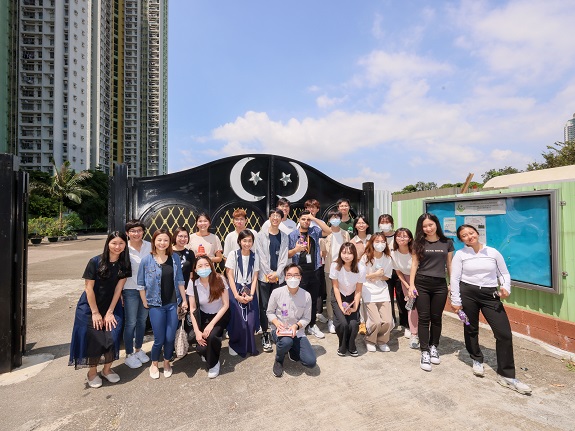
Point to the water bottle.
(409, 304)
(463, 317)
(284, 313)
(411, 301)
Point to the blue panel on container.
(522, 235)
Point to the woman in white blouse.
(348, 276)
(214, 312)
(476, 272)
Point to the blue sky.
(387, 91)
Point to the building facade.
(569, 130)
(92, 84)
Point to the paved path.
(376, 391)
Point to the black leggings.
(430, 302)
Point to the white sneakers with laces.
(132, 361)
(478, 369)
(314, 330)
(330, 327)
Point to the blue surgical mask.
(204, 272)
(335, 222)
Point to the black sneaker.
(341, 352)
(266, 342)
(291, 358)
(278, 369)
(353, 353)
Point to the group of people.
(275, 282)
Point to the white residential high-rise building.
(53, 82)
(93, 84)
(569, 130)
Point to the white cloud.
(523, 39)
(380, 179)
(325, 101)
(381, 67)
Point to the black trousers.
(265, 291)
(346, 326)
(432, 296)
(475, 299)
(212, 350)
(394, 283)
(310, 283)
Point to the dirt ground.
(375, 391)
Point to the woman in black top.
(432, 254)
(181, 238)
(99, 314)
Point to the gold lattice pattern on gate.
(226, 223)
(170, 218)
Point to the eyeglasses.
(136, 231)
(293, 277)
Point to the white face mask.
(292, 282)
(379, 246)
(385, 227)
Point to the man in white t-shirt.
(231, 241)
(329, 247)
(135, 314)
(287, 225)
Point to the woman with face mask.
(375, 295)
(386, 225)
(214, 305)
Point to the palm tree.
(67, 184)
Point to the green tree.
(559, 154)
(67, 184)
(492, 173)
(418, 187)
(94, 208)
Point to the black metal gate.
(13, 262)
(253, 182)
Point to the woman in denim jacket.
(161, 286)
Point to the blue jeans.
(135, 316)
(164, 322)
(300, 349)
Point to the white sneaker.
(132, 361)
(407, 333)
(434, 355)
(514, 384)
(478, 369)
(168, 373)
(214, 371)
(384, 347)
(414, 342)
(141, 355)
(96, 382)
(425, 362)
(232, 352)
(370, 347)
(314, 330)
(320, 318)
(330, 327)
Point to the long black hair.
(125, 268)
(419, 242)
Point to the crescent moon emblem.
(236, 181)
(301, 186)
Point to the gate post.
(367, 200)
(13, 261)
(118, 199)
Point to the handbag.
(181, 343)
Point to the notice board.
(522, 226)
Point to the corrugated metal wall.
(381, 205)
(561, 306)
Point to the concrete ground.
(375, 391)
